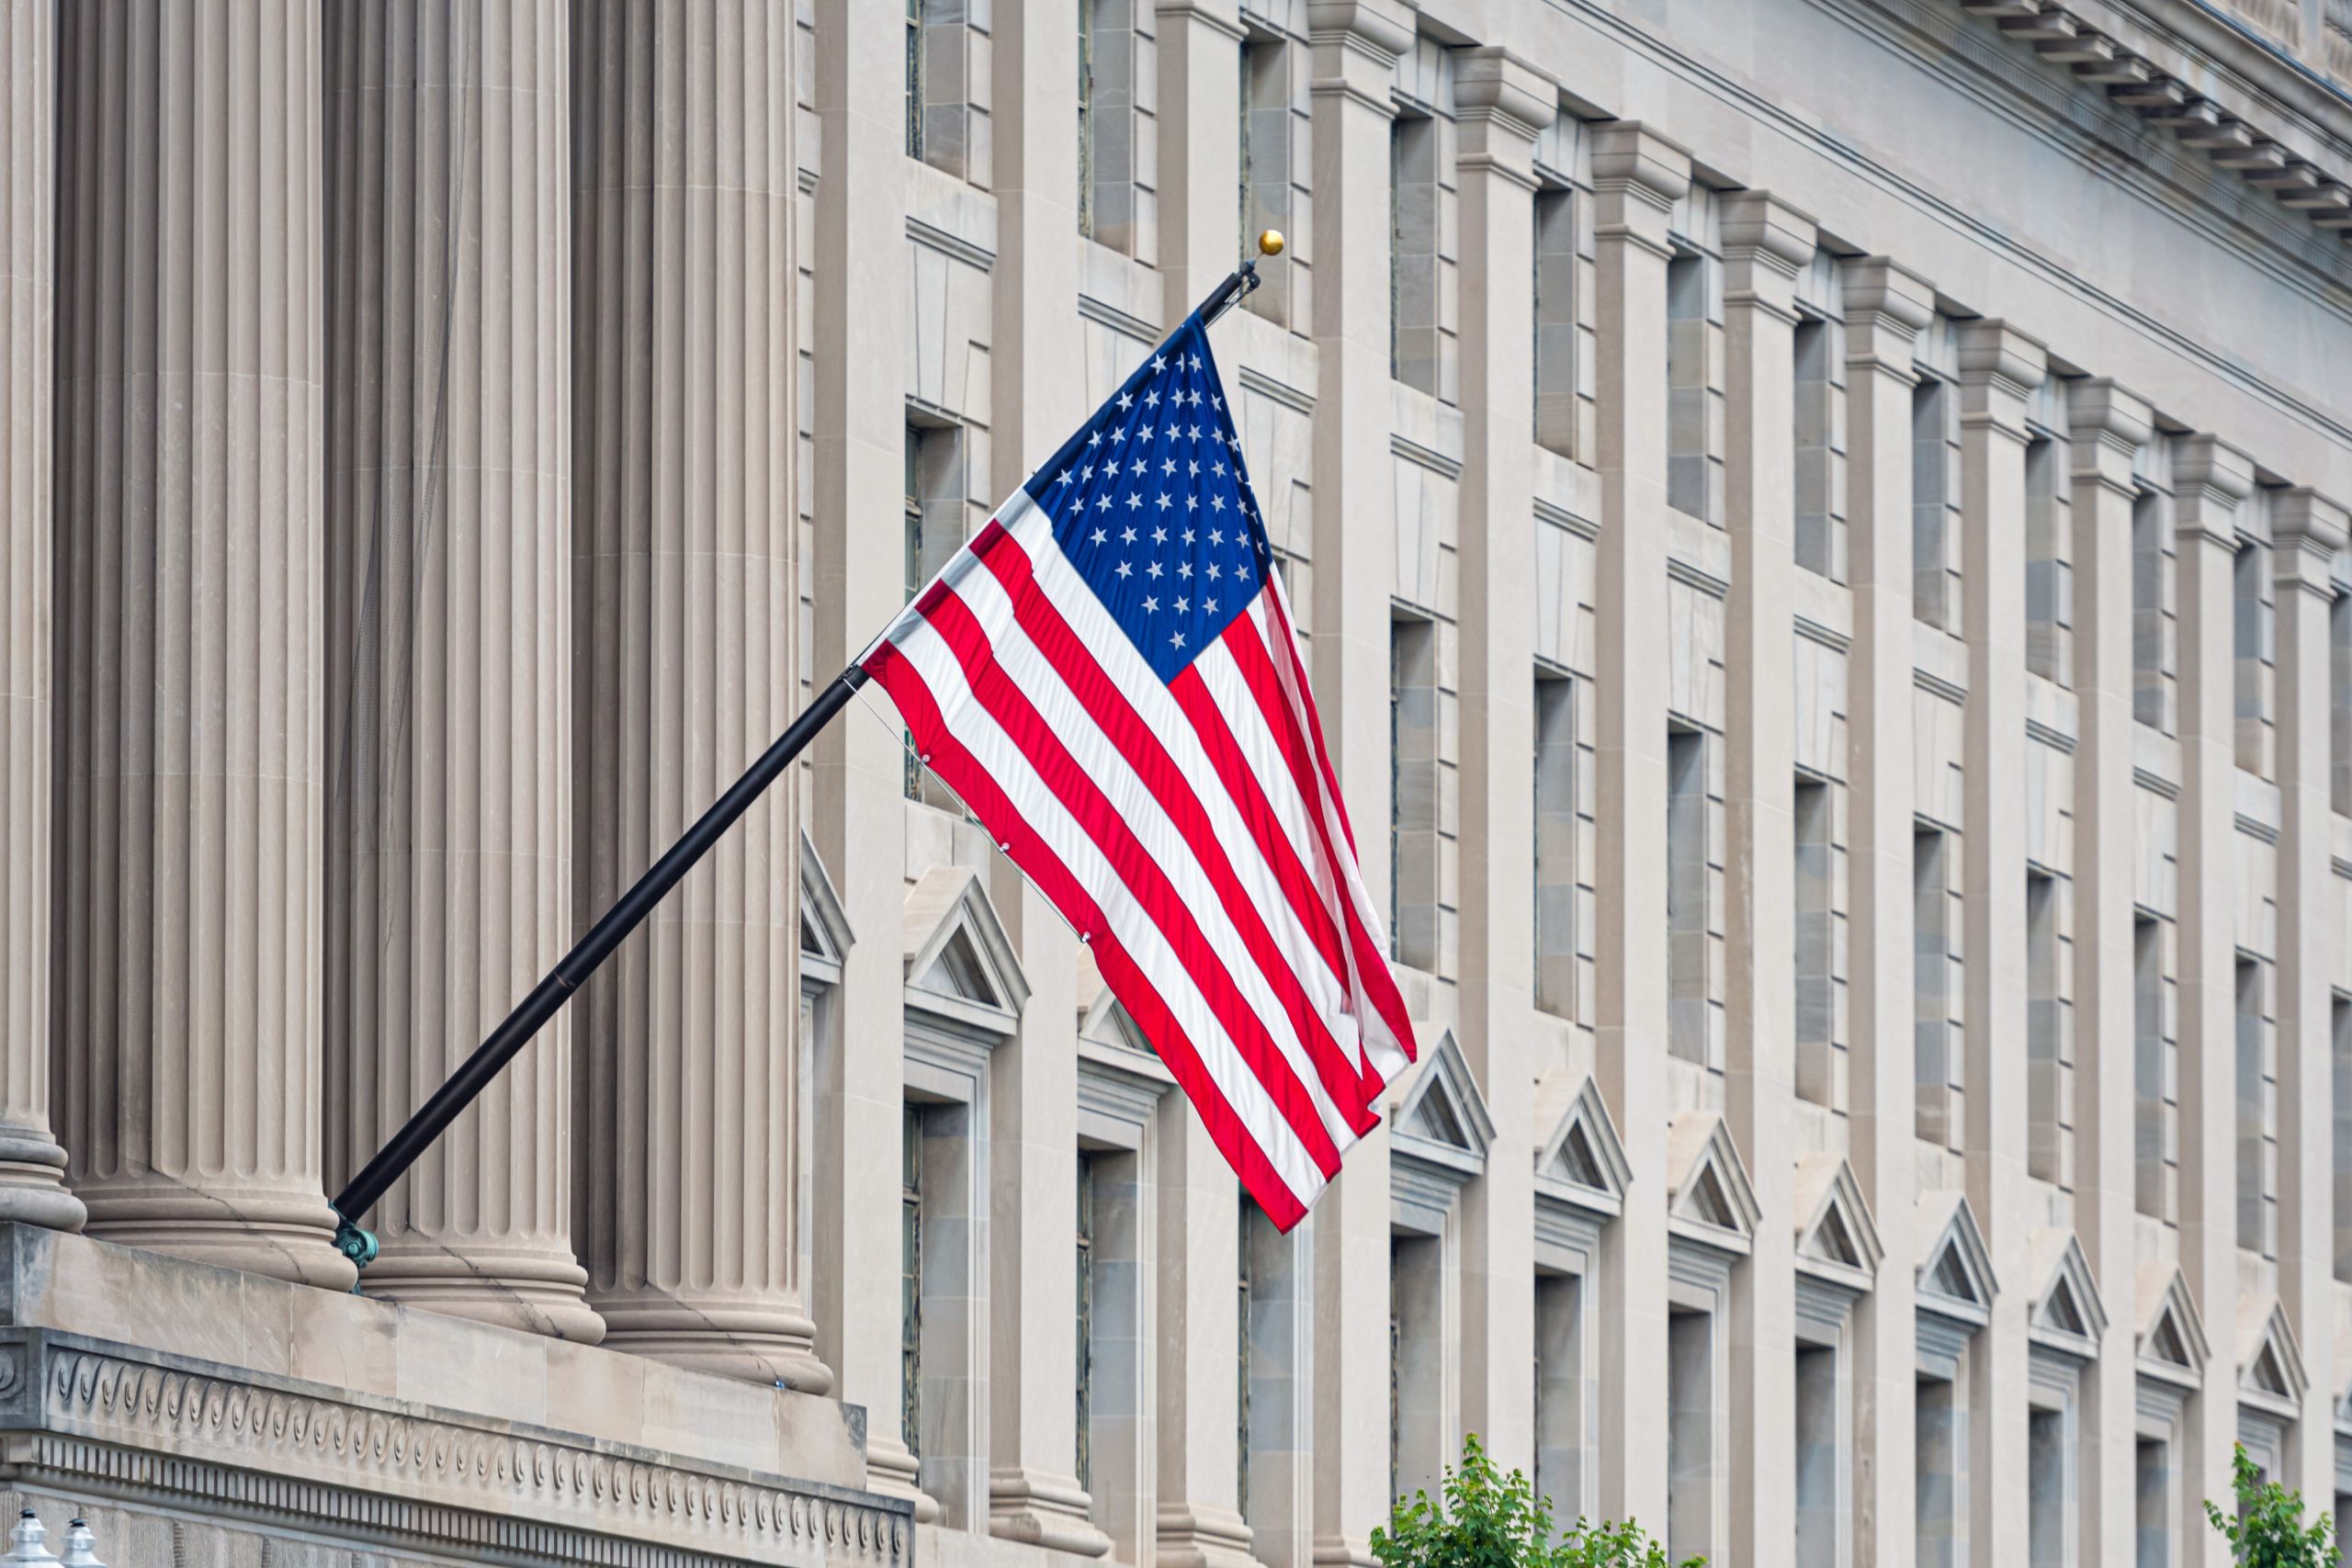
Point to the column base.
(891, 1471)
(1051, 1511)
(536, 1291)
(32, 1181)
(1344, 1552)
(1203, 1535)
(287, 1235)
(762, 1339)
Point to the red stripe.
(953, 621)
(1140, 746)
(1027, 849)
(1256, 665)
(1306, 704)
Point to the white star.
(1217, 502)
(1100, 536)
(1216, 537)
(1152, 569)
(1164, 501)
(1220, 469)
(1135, 499)
(1169, 467)
(1087, 473)
(1216, 401)
(1184, 568)
(1065, 478)
(1188, 536)
(1194, 434)
(1102, 502)
(1182, 604)
(1208, 606)
(1159, 536)
(1151, 399)
(1118, 434)
(1128, 534)
(1125, 571)
(1213, 570)
(1151, 605)
(1094, 439)
(1140, 467)
(1177, 638)
(1191, 501)
(1144, 435)
(1191, 463)
(1242, 571)
(1127, 401)
(1159, 362)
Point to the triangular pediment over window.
(1441, 1115)
(2171, 1335)
(1709, 1198)
(1579, 1157)
(1836, 1237)
(2271, 1364)
(960, 965)
(825, 936)
(2068, 1316)
(1956, 1280)
(1101, 1018)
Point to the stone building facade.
(1819, 524)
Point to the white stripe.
(1110, 772)
(994, 751)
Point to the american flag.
(1108, 677)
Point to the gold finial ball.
(1270, 243)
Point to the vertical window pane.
(2257, 1130)
(1816, 957)
(910, 1281)
(2048, 1070)
(1085, 1321)
(1689, 1023)
(2151, 627)
(914, 77)
(1556, 834)
(1939, 1119)
(2152, 1091)
(1690, 474)
(1930, 498)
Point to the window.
(2250, 617)
(2339, 1015)
(911, 1280)
(1689, 1436)
(1413, 252)
(1688, 1020)
(2153, 1154)
(914, 77)
(2257, 1126)
(1417, 1450)
(2151, 1471)
(1560, 1395)
(1413, 792)
(2048, 1056)
(1086, 1323)
(1557, 412)
(2049, 575)
(2152, 630)
(1816, 410)
(1690, 471)
(1086, 118)
(1266, 133)
(1241, 1340)
(1820, 1458)
(2339, 701)
(1815, 934)
(1936, 1054)
(1555, 835)
(1941, 1425)
(2050, 1471)
(1932, 473)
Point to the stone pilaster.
(1886, 304)
(448, 880)
(1766, 241)
(1200, 147)
(857, 777)
(1502, 103)
(32, 1166)
(2106, 424)
(1998, 367)
(1356, 44)
(1199, 1524)
(2307, 529)
(1638, 175)
(683, 376)
(2210, 479)
(191, 524)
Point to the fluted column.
(1637, 176)
(683, 600)
(1356, 44)
(449, 625)
(2106, 424)
(191, 525)
(2210, 480)
(1998, 366)
(2307, 529)
(1765, 240)
(1503, 103)
(32, 1166)
(1885, 305)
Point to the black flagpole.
(546, 998)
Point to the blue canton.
(1151, 503)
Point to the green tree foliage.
(2269, 1530)
(1486, 1519)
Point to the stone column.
(190, 485)
(1998, 367)
(2306, 531)
(1199, 1524)
(1037, 375)
(448, 878)
(1886, 304)
(857, 774)
(682, 373)
(32, 1166)
(1356, 44)
(1766, 242)
(1638, 175)
(1502, 103)
(2210, 478)
(2106, 424)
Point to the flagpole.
(546, 998)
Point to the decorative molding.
(1581, 1161)
(2066, 1317)
(1438, 1135)
(1118, 320)
(90, 1416)
(1954, 1281)
(1691, 576)
(952, 247)
(1561, 517)
(1836, 1239)
(1709, 1200)
(1253, 380)
(2169, 1335)
(1829, 637)
(1434, 461)
(825, 934)
(2271, 1364)
(960, 965)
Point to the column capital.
(1638, 176)
(1357, 43)
(1886, 304)
(2307, 529)
(1999, 368)
(1502, 104)
(2209, 478)
(1223, 15)
(2106, 423)
(1767, 241)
